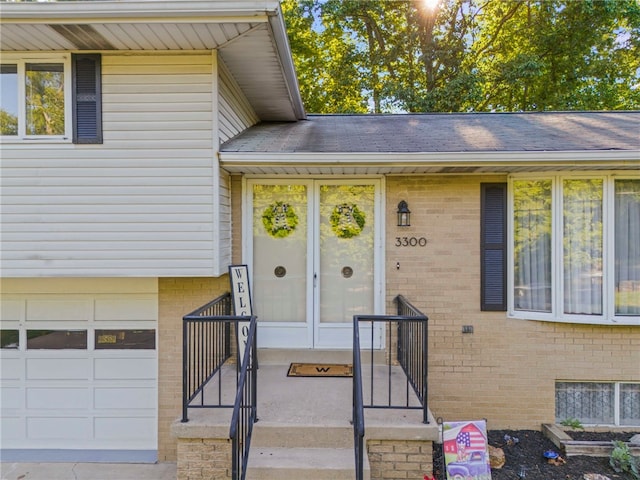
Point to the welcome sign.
(241, 294)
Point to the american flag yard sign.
(465, 450)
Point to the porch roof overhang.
(249, 35)
(438, 143)
(390, 163)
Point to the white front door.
(313, 255)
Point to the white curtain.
(627, 247)
(582, 240)
(532, 245)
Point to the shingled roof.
(464, 132)
(438, 143)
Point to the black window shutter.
(493, 246)
(87, 98)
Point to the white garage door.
(79, 370)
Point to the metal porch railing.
(245, 407)
(206, 348)
(409, 329)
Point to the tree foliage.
(465, 55)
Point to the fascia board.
(194, 10)
(279, 31)
(579, 158)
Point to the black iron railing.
(408, 330)
(206, 346)
(245, 407)
(411, 335)
(358, 403)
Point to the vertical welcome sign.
(239, 278)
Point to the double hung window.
(575, 250)
(50, 97)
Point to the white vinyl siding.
(224, 223)
(235, 112)
(79, 399)
(141, 204)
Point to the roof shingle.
(457, 132)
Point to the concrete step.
(277, 435)
(268, 463)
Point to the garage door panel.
(12, 310)
(126, 309)
(58, 310)
(125, 428)
(12, 397)
(110, 398)
(12, 428)
(11, 368)
(59, 428)
(58, 368)
(58, 398)
(124, 368)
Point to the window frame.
(608, 316)
(21, 60)
(616, 402)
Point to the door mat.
(320, 370)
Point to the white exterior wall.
(144, 202)
(235, 112)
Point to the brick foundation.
(400, 459)
(204, 459)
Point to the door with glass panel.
(313, 257)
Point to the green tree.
(465, 55)
(45, 100)
(8, 123)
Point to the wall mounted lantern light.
(404, 214)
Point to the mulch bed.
(528, 453)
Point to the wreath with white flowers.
(279, 219)
(347, 220)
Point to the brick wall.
(177, 297)
(400, 459)
(204, 459)
(506, 370)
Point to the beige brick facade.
(204, 459)
(177, 297)
(508, 366)
(399, 459)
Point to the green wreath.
(347, 220)
(279, 219)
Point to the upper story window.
(35, 98)
(51, 97)
(575, 250)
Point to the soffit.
(249, 36)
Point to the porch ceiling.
(250, 37)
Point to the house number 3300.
(411, 242)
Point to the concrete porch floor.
(304, 423)
(319, 401)
(302, 403)
(327, 401)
